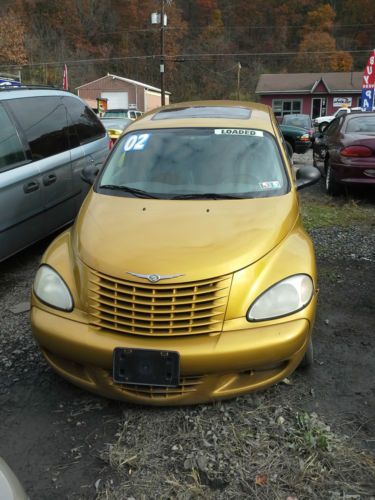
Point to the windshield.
(297, 121)
(116, 123)
(197, 162)
(116, 113)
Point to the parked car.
(347, 149)
(297, 139)
(115, 127)
(133, 114)
(188, 276)
(47, 137)
(301, 121)
(323, 121)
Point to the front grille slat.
(134, 308)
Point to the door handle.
(49, 179)
(30, 187)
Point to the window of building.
(283, 107)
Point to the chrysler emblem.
(154, 278)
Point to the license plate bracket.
(146, 367)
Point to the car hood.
(196, 238)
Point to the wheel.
(289, 148)
(332, 186)
(308, 358)
(315, 159)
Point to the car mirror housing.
(322, 127)
(306, 176)
(89, 173)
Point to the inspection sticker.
(238, 131)
(136, 142)
(270, 185)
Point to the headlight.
(51, 289)
(283, 298)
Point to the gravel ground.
(65, 443)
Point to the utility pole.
(238, 79)
(162, 67)
(161, 18)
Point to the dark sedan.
(301, 121)
(296, 138)
(346, 148)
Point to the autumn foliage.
(205, 40)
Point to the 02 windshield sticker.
(270, 185)
(136, 142)
(238, 131)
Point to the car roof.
(20, 92)
(219, 114)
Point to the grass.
(323, 213)
(258, 446)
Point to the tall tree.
(12, 39)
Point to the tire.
(332, 186)
(289, 148)
(315, 157)
(308, 358)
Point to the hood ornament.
(154, 278)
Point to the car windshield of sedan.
(196, 163)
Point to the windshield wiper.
(208, 196)
(139, 193)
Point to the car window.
(11, 149)
(44, 122)
(363, 123)
(83, 121)
(341, 112)
(172, 162)
(332, 127)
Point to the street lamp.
(161, 19)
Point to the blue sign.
(4, 82)
(367, 99)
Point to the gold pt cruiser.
(187, 276)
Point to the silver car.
(46, 138)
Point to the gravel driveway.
(54, 435)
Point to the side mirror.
(322, 127)
(89, 173)
(306, 176)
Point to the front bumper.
(302, 147)
(213, 367)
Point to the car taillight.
(356, 151)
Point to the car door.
(332, 138)
(21, 204)
(44, 121)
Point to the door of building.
(318, 107)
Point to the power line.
(235, 28)
(186, 57)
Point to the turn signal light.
(356, 151)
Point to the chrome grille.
(157, 309)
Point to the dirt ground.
(55, 436)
